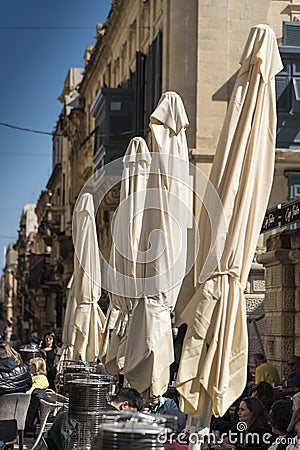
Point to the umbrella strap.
(158, 300)
(230, 274)
(121, 324)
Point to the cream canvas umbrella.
(88, 318)
(213, 366)
(122, 276)
(149, 349)
(67, 334)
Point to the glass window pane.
(297, 68)
(283, 93)
(296, 83)
(286, 67)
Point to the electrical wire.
(47, 28)
(54, 27)
(48, 133)
(30, 130)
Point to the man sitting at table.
(265, 371)
(126, 399)
(293, 379)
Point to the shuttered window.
(154, 74)
(288, 91)
(291, 34)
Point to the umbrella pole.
(197, 429)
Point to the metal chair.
(15, 406)
(46, 408)
(8, 433)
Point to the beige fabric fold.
(88, 317)
(213, 366)
(68, 328)
(122, 276)
(149, 349)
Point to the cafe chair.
(47, 408)
(15, 406)
(8, 433)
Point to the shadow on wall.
(224, 93)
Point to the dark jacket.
(293, 379)
(14, 378)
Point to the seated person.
(37, 367)
(127, 399)
(167, 406)
(295, 426)
(296, 402)
(265, 371)
(159, 405)
(14, 375)
(293, 379)
(280, 417)
(253, 415)
(264, 392)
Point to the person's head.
(280, 416)
(127, 399)
(8, 352)
(264, 392)
(154, 400)
(295, 423)
(294, 363)
(252, 412)
(259, 358)
(37, 366)
(296, 402)
(34, 337)
(49, 340)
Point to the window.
(113, 110)
(294, 194)
(288, 84)
(294, 184)
(154, 73)
(288, 98)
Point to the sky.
(39, 42)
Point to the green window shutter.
(291, 34)
(283, 93)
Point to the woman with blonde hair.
(37, 368)
(10, 352)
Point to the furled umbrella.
(149, 349)
(213, 366)
(67, 333)
(122, 273)
(88, 317)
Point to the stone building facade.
(10, 291)
(281, 304)
(144, 48)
